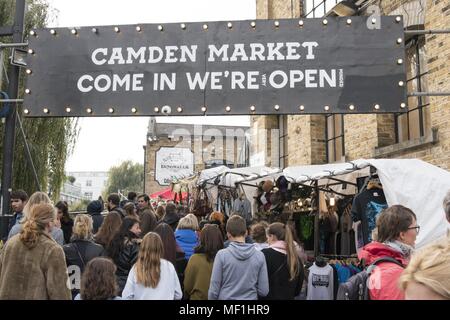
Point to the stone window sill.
(422, 142)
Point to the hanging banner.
(173, 163)
(289, 66)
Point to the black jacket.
(125, 260)
(79, 253)
(280, 287)
(66, 228)
(97, 220)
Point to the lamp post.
(10, 124)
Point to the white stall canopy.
(412, 183)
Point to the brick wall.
(202, 150)
(368, 136)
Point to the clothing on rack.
(328, 226)
(344, 207)
(366, 207)
(244, 208)
(335, 281)
(346, 268)
(305, 230)
(320, 283)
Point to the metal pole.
(316, 221)
(29, 157)
(10, 125)
(13, 45)
(11, 100)
(428, 94)
(419, 32)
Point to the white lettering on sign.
(213, 51)
(103, 51)
(104, 82)
(211, 79)
(134, 55)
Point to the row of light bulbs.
(229, 25)
(204, 109)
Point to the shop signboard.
(286, 66)
(173, 163)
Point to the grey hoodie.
(239, 273)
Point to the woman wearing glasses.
(397, 230)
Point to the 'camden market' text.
(211, 80)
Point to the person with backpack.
(386, 258)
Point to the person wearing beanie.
(95, 209)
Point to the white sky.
(104, 142)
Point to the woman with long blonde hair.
(37, 198)
(152, 277)
(427, 276)
(284, 266)
(32, 264)
(81, 249)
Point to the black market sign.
(291, 66)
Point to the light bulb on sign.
(332, 201)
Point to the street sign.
(289, 66)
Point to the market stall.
(218, 187)
(326, 193)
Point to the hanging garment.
(345, 225)
(244, 208)
(328, 226)
(320, 283)
(335, 281)
(366, 207)
(344, 273)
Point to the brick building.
(423, 132)
(210, 145)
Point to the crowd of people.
(134, 251)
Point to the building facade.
(209, 146)
(71, 193)
(92, 183)
(422, 132)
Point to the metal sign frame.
(262, 67)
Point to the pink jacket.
(383, 282)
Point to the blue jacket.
(187, 240)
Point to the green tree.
(71, 179)
(51, 140)
(126, 177)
